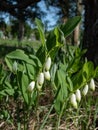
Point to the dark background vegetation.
(23, 13)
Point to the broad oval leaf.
(20, 55)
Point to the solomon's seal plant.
(92, 84)
(68, 76)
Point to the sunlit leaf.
(20, 55)
(70, 25)
(41, 30)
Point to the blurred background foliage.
(21, 15)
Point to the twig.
(1, 124)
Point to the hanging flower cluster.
(41, 77)
(91, 85)
(47, 68)
(77, 96)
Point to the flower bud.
(47, 75)
(85, 90)
(40, 79)
(14, 67)
(48, 64)
(31, 86)
(73, 100)
(78, 95)
(92, 85)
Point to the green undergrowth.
(37, 84)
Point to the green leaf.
(2, 93)
(70, 25)
(78, 80)
(55, 39)
(36, 60)
(24, 82)
(31, 71)
(20, 55)
(9, 63)
(96, 72)
(51, 40)
(74, 65)
(53, 52)
(61, 97)
(34, 98)
(59, 36)
(41, 30)
(88, 70)
(53, 72)
(83, 76)
(8, 89)
(70, 83)
(62, 93)
(57, 106)
(41, 54)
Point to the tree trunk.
(76, 33)
(21, 30)
(90, 38)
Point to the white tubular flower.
(14, 67)
(40, 79)
(48, 64)
(85, 90)
(78, 95)
(73, 101)
(47, 75)
(39, 87)
(31, 86)
(92, 85)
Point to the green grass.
(8, 45)
(15, 42)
